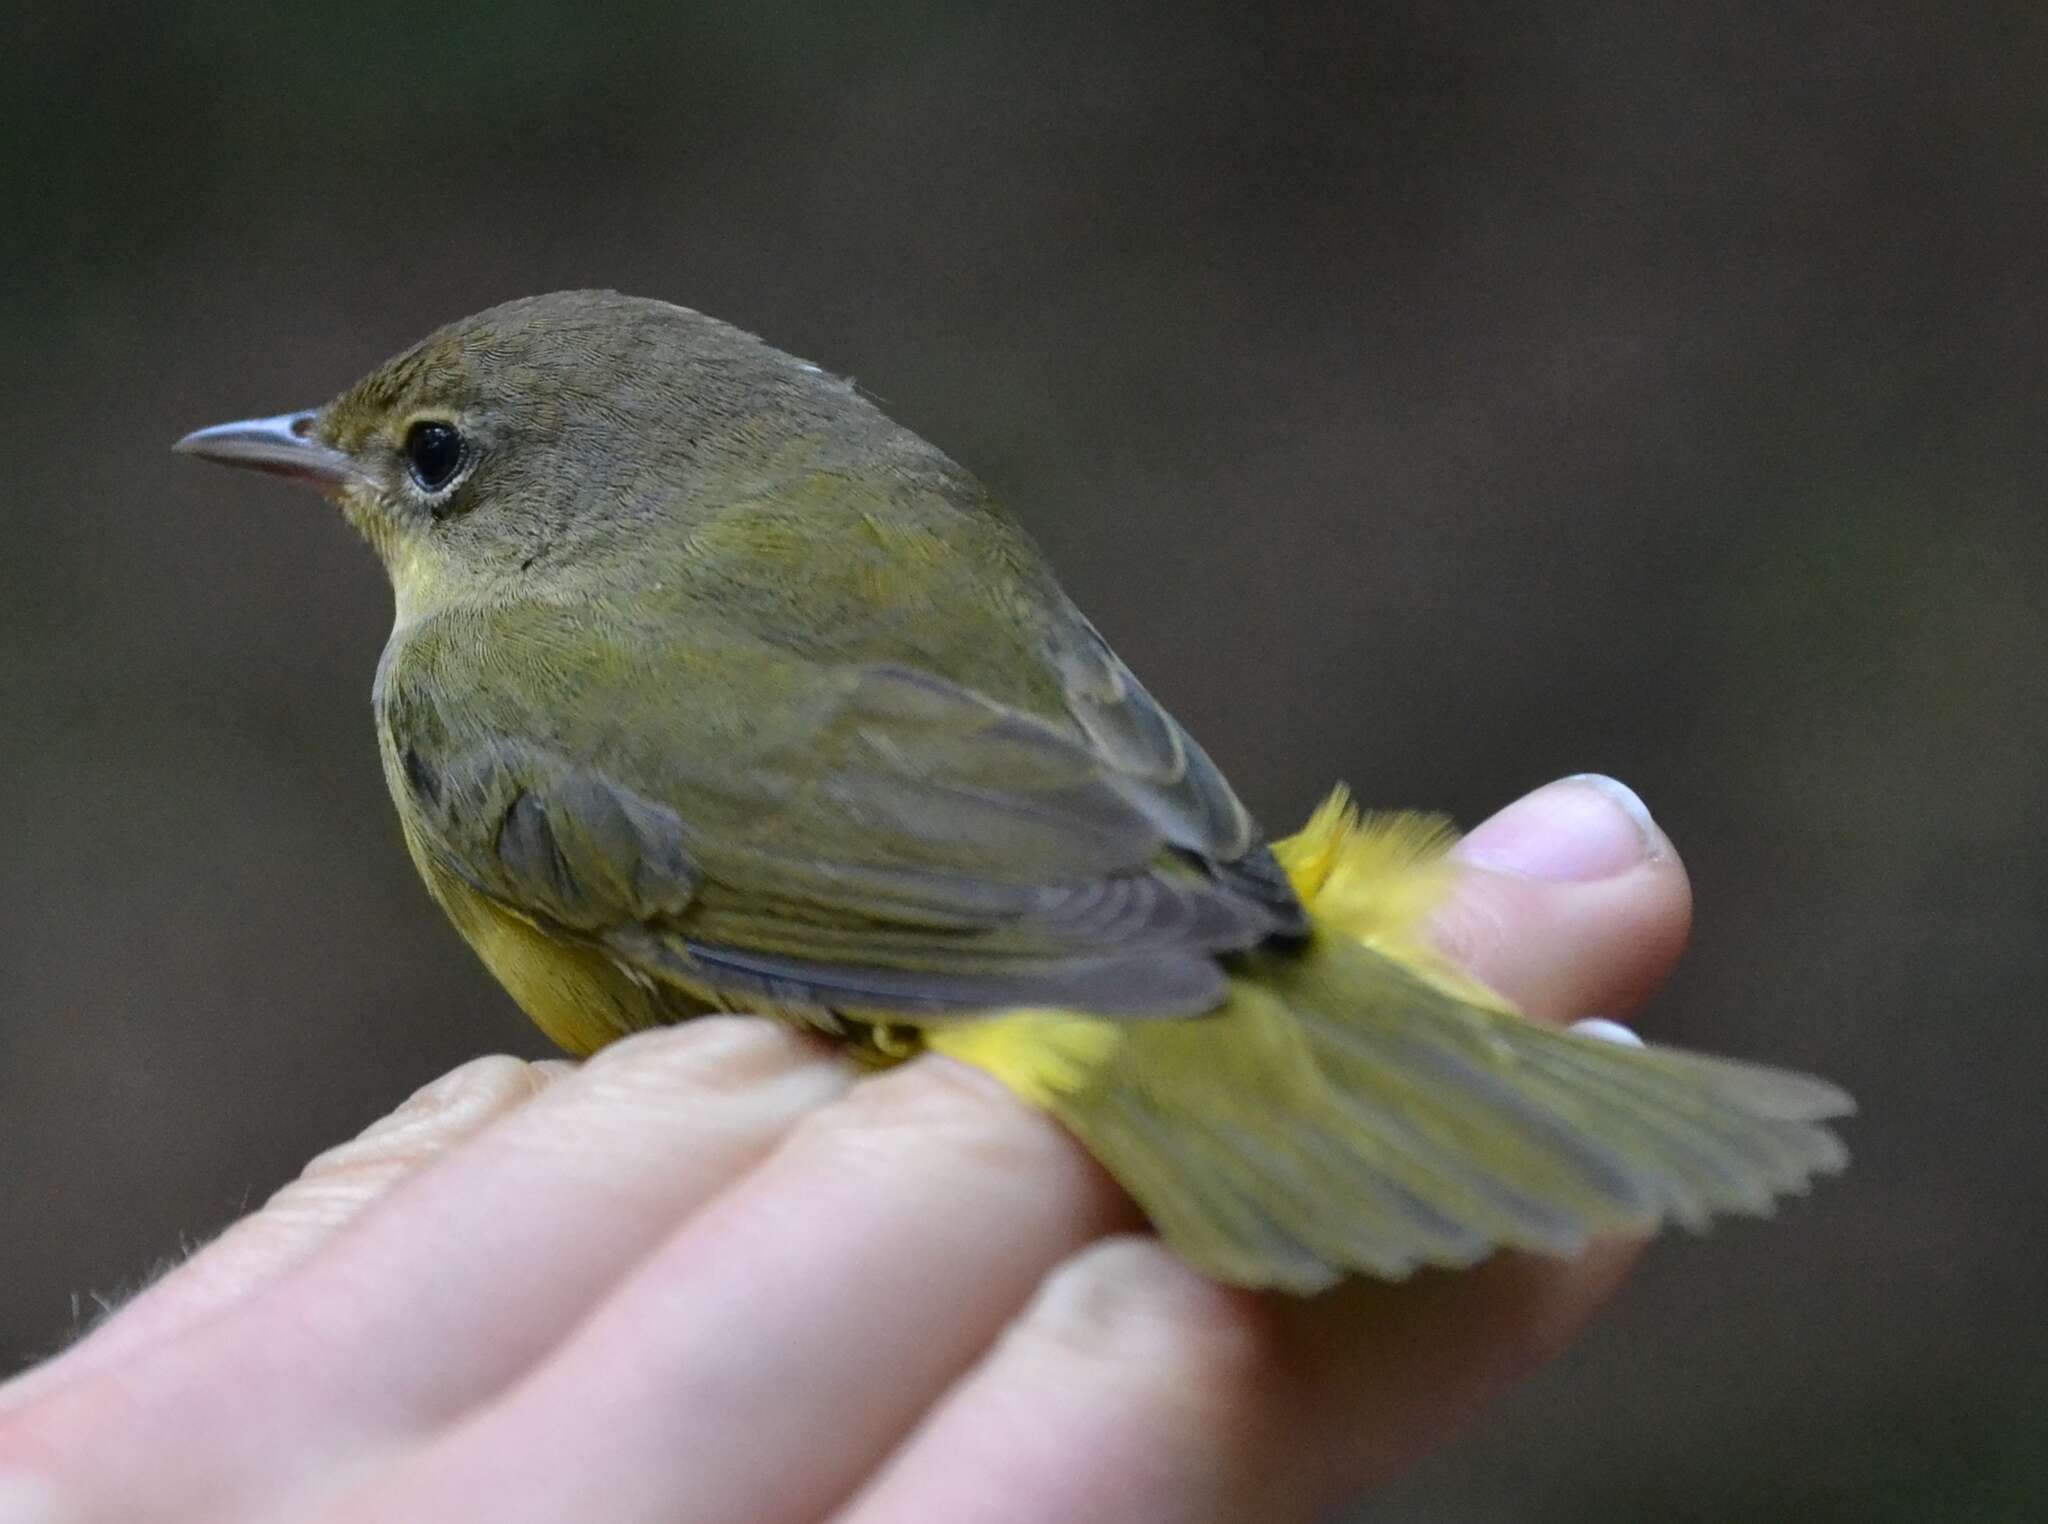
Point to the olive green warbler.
(711, 688)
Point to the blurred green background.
(1442, 398)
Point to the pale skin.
(708, 1276)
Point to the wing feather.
(914, 846)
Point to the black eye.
(435, 450)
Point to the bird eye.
(435, 451)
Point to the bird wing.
(875, 838)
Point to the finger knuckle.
(935, 1111)
(715, 1053)
(1477, 922)
(431, 1120)
(1130, 1303)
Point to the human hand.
(707, 1275)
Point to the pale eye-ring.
(434, 450)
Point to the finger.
(1133, 1390)
(437, 1295)
(301, 1216)
(770, 1354)
(1572, 903)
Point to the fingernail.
(1606, 1031)
(1575, 830)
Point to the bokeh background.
(1441, 397)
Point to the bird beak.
(284, 446)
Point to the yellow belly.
(579, 998)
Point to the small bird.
(711, 688)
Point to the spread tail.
(1358, 1106)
